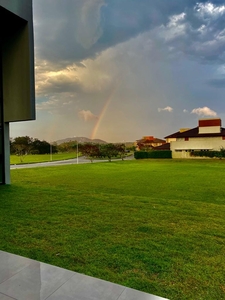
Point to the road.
(81, 160)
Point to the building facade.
(208, 136)
(17, 96)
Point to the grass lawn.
(153, 225)
(36, 158)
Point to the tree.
(22, 145)
(66, 147)
(42, 147)
(12, 148)
(130, 148)
(89, 150)
(26, 145)
(108, 150)
(121, 150)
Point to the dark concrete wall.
(16, 33)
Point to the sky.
(118, 70)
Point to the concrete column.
(6, 154)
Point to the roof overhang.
(192, 149)
(17, 48)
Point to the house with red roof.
(209, 135)
(149, 142)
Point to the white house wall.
(181, 154)
(210, 129)
(169, 140)
(182, 148)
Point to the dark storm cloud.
(78, 29)
(217, 83)
(126, 19)
(198, 32)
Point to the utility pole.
(77, 152)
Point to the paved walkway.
(25, 279)
(82, 160)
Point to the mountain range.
(80, 140)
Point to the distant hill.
(80, 140)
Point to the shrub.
(210, 154)
(152, 154)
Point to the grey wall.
(18, 60)
(21, 8)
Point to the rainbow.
(104, 109)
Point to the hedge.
(152, 154)
(211, 154)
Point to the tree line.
(24, 145)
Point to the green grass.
(36, 158)
(153, 225)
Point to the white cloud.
(87, 115)
(176, 27)
(209, 9)
(168, 108)
(49, 105)
(204, 111)
(185, 110)
(89, 76)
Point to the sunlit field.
(36, 158)
(153, 225)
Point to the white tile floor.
(25, 279)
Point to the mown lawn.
(36, 158)
(153, 225)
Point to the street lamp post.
(77, 151)
(50, 152)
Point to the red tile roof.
(153, 141)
